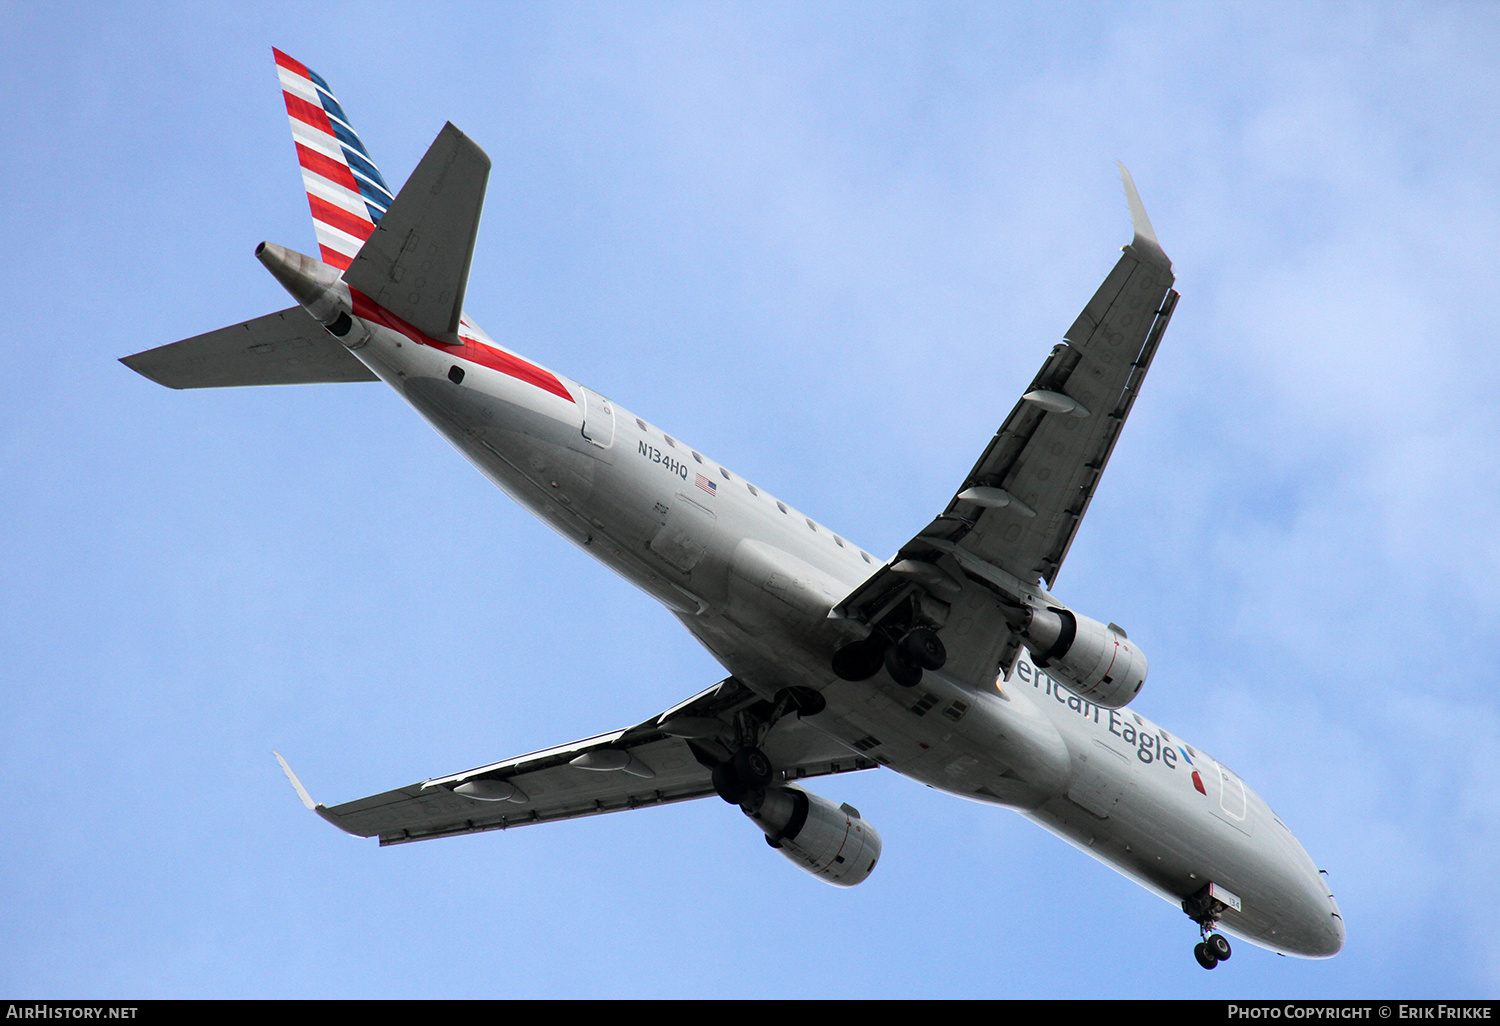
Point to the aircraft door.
(1233, 807)
(598, 419)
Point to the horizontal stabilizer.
(283, 348)
(416, 261)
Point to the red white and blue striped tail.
(344, 187)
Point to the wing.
(666, 759)
(1013, 519)
(284, 348)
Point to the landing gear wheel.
(859, 660)
(1204, 956)
(1218, 946)
(728, 785)
(901, 671)
(805, 701)
(922, 647)
(751, 768)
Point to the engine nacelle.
(1097, 662)
(829, 841)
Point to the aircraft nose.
(1319, 926)
(1335, 926)
(1338, 942)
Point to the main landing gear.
(917, 650)
(1204, 908)
(741, 769)
(742, 774)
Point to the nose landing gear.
(1213, 949)
(1204, 907)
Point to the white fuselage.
(753, 580)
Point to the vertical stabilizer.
(416, 263)
(345, 189)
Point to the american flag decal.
(711, 487)
(344, 187)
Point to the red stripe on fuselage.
(470, 349)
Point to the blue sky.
(828, 244)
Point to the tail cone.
(314, 284)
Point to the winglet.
(1145, 238)
(321, 810)
(301, 791)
